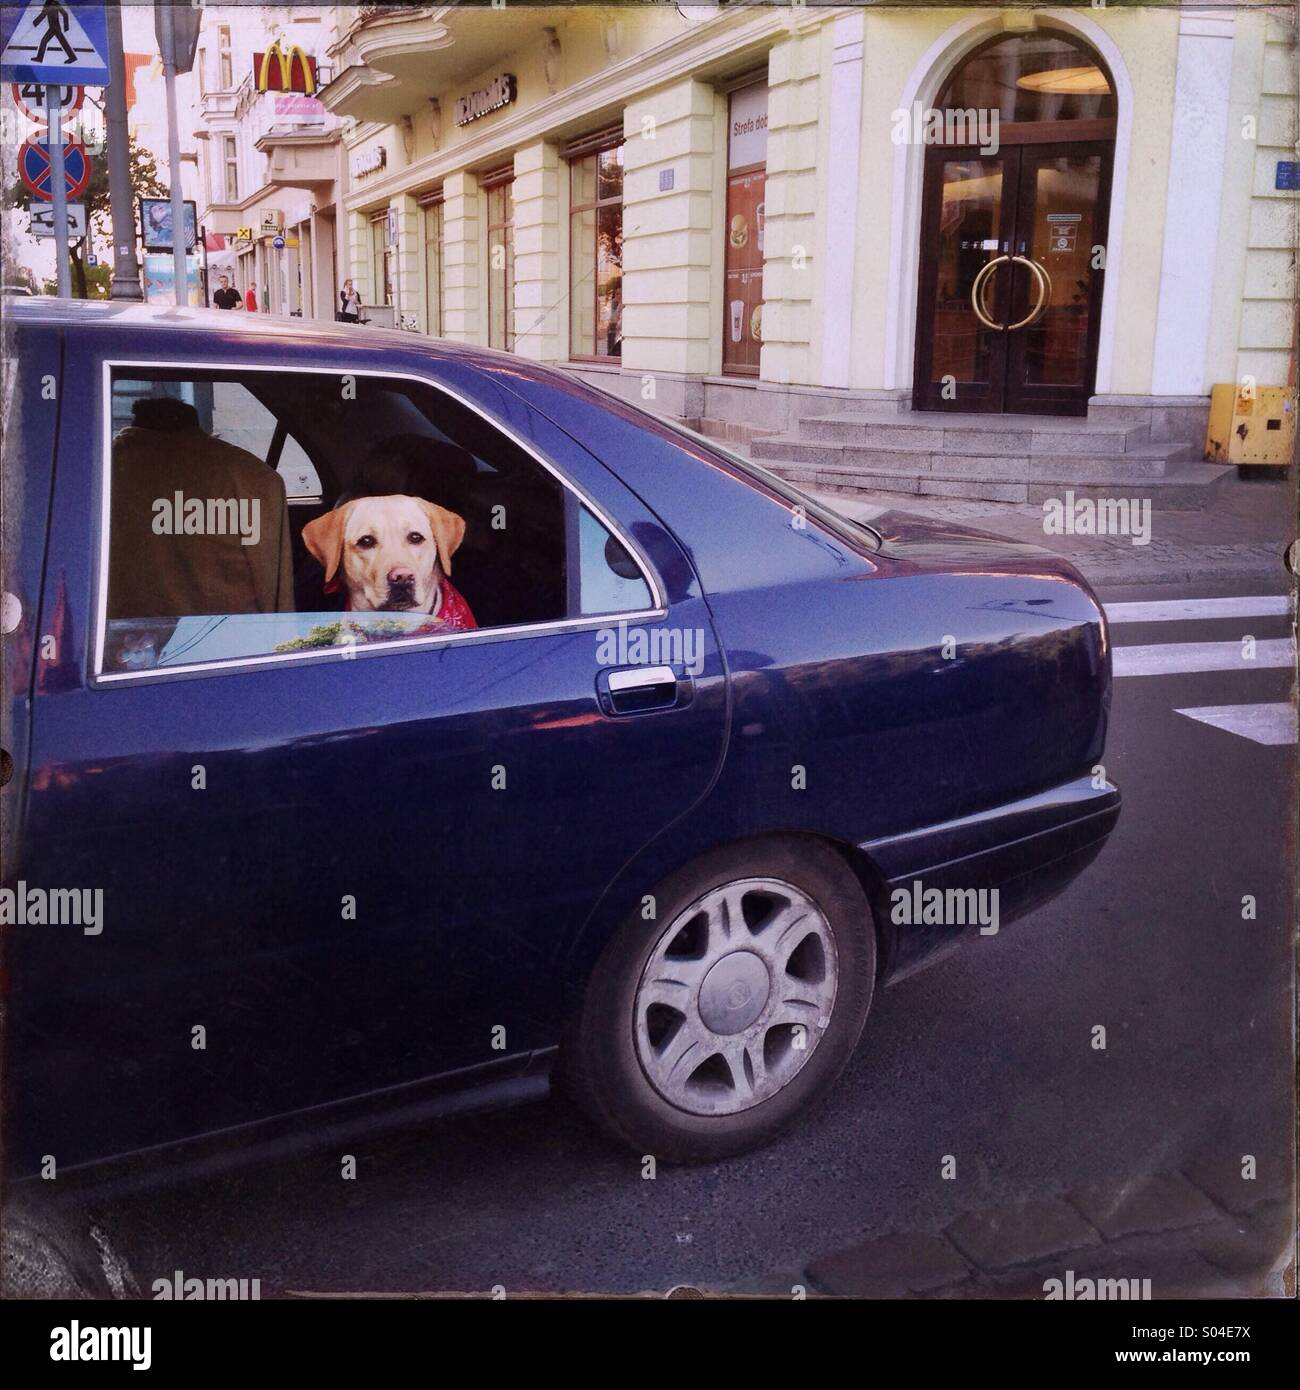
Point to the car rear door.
(343, 871)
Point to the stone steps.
(1013, 435)
(995, 458)
(1145, 461)
(1184, 487)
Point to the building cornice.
(705, 45)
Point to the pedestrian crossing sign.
(55, 41)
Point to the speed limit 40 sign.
(29, 98)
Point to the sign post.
(59, 188)
(55, 45)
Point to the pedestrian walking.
(250, 298)
(349, 304)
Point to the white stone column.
(790, 259)
(841, 239)
(1202, 91)
(670, 235)
(539, 300)
(409, 253)
(359, 268)
(464, 316)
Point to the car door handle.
(636, 688)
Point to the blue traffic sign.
(278, 243)
(56, 41)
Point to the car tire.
(678, 1048)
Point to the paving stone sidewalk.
(1241, 535)
(1203, 1232)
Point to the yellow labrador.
(395, 555)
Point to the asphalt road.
(986, 1056)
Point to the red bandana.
(454, 614)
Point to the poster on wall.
(745, 231)
(160, 280)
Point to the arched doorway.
(1016, 191)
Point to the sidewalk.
(1198, 1233)
(1241, 535)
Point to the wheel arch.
(630, 886)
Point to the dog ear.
(448, 531)
(324, 538)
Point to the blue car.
(393, 725)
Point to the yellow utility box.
(1249, 427)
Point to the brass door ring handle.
(977, 293)
(1041, 276)
(1051, 292)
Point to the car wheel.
(707, 1030)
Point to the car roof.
(106, 313)
(124, 313)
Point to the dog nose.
(400, 574)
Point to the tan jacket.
(182, 505)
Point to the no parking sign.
(34, 168)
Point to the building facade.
(269, 154)
(737, 215)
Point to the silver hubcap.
(735, 997)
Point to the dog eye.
(415, 538)
(365, 542)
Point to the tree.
(145, 183)
(99, 279)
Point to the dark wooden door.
(1061, 205)
(1010, 285)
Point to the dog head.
(390, 550)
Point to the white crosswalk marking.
(1182, 658)
(1273, 724)
(1179, 609)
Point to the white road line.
(1181, 609)
(1270, 724)
(1182, 658)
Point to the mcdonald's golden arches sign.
(282, 69)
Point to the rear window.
(851, 532)
(848, 530)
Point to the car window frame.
(97, 677)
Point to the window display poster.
(742, 326)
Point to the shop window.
(381, 258)
(501, 264)
(596, 254)
(742, 308)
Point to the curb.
(1199, 1232)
